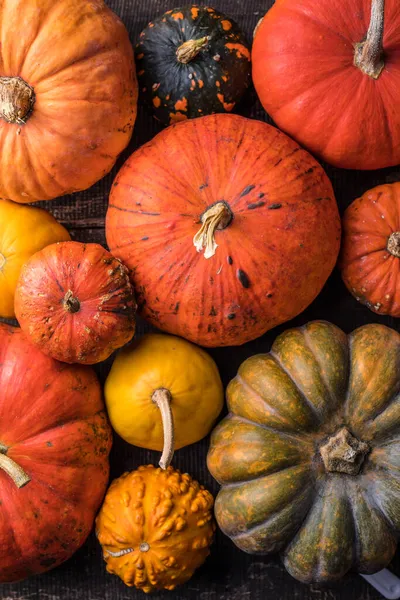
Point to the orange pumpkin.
(68, 96)
(54, 446)
(229, 228)
(328, 73)
(370, 258)
(75, 302)
(155, 527)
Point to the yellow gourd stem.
(190, 49)
(9, 466)
(368, 56)
(162, 397)
(218, 216)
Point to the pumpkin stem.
(2, 261)
(71, 303)
(368, 56)
(9, 466)
(344, 453)
(163, 399)
(393, 245)
(16, 100)
(217, 216)
(190, 49)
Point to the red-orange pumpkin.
(327, 83)
(75, 302)
(370, 258)
(228, 226)
(68, 96)
(54, 446)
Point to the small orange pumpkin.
(155, 528)
(68, 96)
(75, 302)
(370, 257)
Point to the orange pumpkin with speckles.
(370, 257)
(68, 96)
(228, 227)
(155, 528)
(75, 302)
(191, 62)
(54, 445)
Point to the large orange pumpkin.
(328, 73)
(370, 257)
(54, 446)
(68, 96)
(228, 226)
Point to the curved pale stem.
(13, 470)
(218, 216)
(163, 398)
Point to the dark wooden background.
(228, 574)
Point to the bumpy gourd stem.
(71, 303)
(393, 245)
(368, 56)
(16, 100)
(163, 398)
(217, 216)
(9, 466)
(190, 49)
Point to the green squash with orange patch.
(192, 62)
(309, 456)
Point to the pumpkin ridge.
(270, 519)
(298, 437)
(49, 76)
(321, 83)
(292, 8)
(317, 414)
(350, 414)
(336, 402)
(271, 408)
(57, 425)
(377, 502)
(52, 177)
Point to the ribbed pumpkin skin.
(169, 514)
(276, 494)
(77, 57)
(272, 259)
(105, 317)
(53, 422)
(24, 230)
(369, 270)
(308, 84)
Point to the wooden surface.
(228, 574)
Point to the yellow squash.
(163, 389)
(24, 230)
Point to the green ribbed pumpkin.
(309, 456)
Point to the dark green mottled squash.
(309, 456)
(191, 62)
